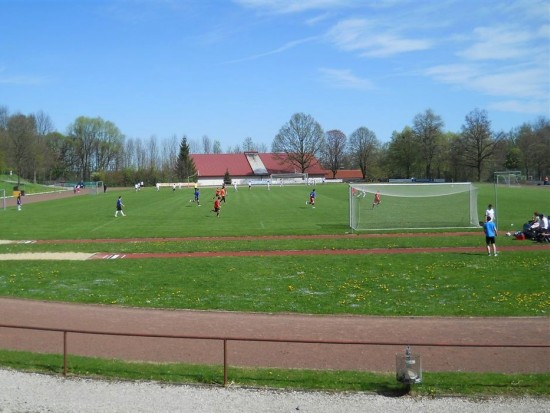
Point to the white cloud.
(521, 106)
(452, 74)
(528, 83)
(526, 10)
(503, 61)
(365, 37)
(283, 48)
(516, 82)
(498, 43)
(344, 78)
(317, 19)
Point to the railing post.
(224, 363)
(64, 353)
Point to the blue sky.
(242, 68)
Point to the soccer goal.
(289, 178)
(96, 187)
(413, 206)
(508, 178)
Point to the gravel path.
(37, 393)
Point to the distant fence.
(226, 340)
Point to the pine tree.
(227, 177)
(185, 166)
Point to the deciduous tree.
(301, 140)
(477, 141)
(332, 153)
(206, 144)
(21, 132)
(403, 154)
(427, 130)
(96, 144)
(541, 158)
(363, 145)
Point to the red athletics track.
(469, 250)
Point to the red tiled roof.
(215, 165)
(346, 174)
(274, 162)
(218, 164)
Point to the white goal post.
(289, 178)
(413, 206)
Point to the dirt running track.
(490, 331)
(533, 331)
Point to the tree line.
(93, 149)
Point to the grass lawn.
(442, 283)
(434, 383)
(456, 284)
(7, 183)
(256, 212)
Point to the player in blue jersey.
(119, 206)
(490, 234)
(311, 201)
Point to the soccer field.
(168, 213)
(255, 212)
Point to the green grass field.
(445, 284)
(440, 284)
(279, 211)
(7, 183)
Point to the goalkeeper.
(377, 200)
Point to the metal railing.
(225, 340)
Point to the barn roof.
(218, 164)
(246, 164)
(347, 174)
(275, 164)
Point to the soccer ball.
(508, 234)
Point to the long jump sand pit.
(25, 256)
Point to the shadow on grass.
(399, 390)
(335, 226)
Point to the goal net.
(508, 178)
(289, 178)
(96, 187)
(413, 206)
